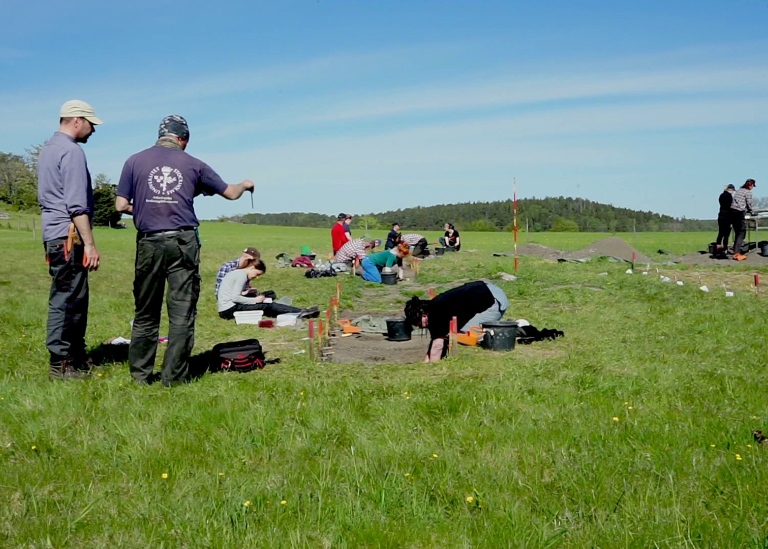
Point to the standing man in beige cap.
(65, 195)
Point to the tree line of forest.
(18, 187)
(560, 213)
(18, 191)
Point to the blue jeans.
(492, 313)
(370, 271)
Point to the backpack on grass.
(238, 356)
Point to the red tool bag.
(238, 356)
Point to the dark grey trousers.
(67, 301)
(172, 257)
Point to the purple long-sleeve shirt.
(63, 185)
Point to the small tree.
(563, 225)
(104, 213)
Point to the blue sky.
(365, 106)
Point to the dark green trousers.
(171, 257)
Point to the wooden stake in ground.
(311, 334)
(514, 217)
(453, 332)
(415, 262)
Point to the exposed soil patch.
(377, 349)
(537, 250)
(753, 260)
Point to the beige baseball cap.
(79, 109)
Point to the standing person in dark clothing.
(66, 200)
(392, 236)
(741, 205)
(158, 187)
(724, 218)
(471, 304)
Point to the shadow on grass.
(200, 364)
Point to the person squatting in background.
(472, 304)
(158, 186)
(354, 249)
(65, 195)
(451, 237)
(417, 242)
(741, 205)
(232, 300)
(724, 218)
(374, 263)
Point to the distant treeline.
(545, 214)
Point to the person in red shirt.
(339, 234)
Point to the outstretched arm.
(233, 192)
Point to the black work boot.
(65, 369)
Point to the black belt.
(165, 232)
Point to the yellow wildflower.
(164, 475)
(34, 448)
(470, 499)
(434, 455)
(283, 502)
(247, 503)
(738, 457)
(711, 445)
(615, 418)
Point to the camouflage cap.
(174, 124)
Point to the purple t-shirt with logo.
(162, 184)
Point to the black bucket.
(389, 278)
(499, 336)
(764, 250)
(439, 251)
(398, 329)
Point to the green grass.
(623, 434)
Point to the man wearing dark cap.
(158, 186)
(66, 199)
(339, 234)
(249, 257)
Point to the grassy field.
(632, 431)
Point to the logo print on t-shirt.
(165, 181)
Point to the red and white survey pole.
(514, 216)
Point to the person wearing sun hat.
(65, 195)
(158, 186)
